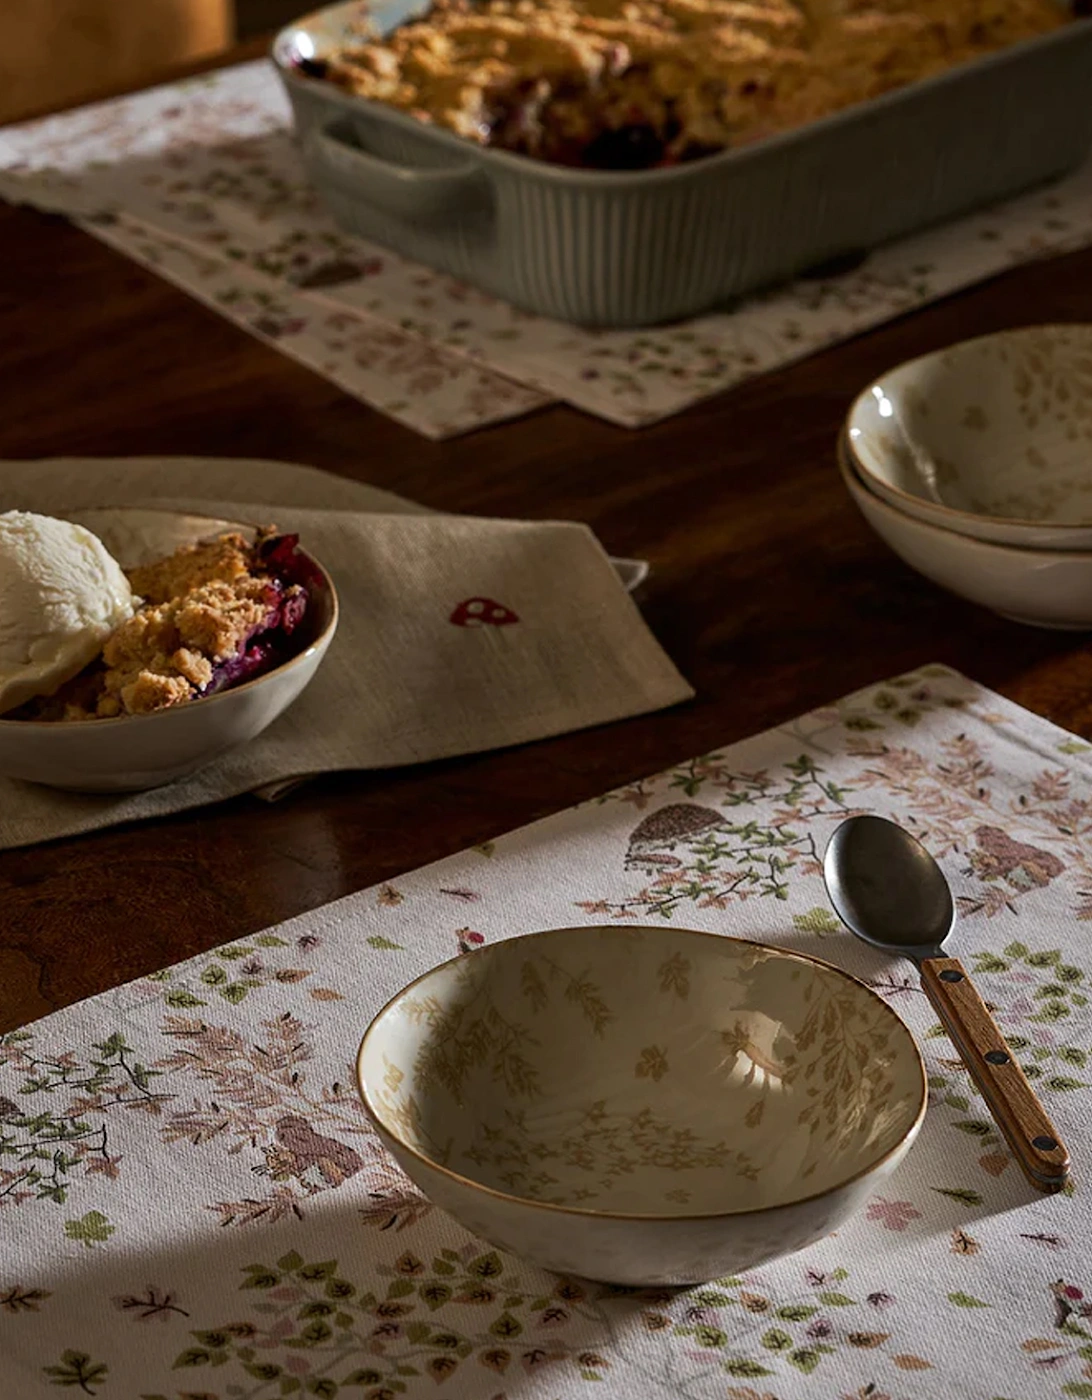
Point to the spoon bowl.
(888, 889)
(890, 892)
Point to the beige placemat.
(202, 182)
(402, 682)
(194, 1199)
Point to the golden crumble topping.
(627, 84)
(222, 560)
(212, 614)
(165, 652)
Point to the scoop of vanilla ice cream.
(61, 595)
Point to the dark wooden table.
(768, 589)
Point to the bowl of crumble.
(214, 627)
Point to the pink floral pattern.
(192, 1202)
(210, 164)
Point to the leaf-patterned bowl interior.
(999, 426)
(643, 1072)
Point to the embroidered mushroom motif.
(482, 612)
(1068, 1300)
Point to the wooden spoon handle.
(1011, 1099)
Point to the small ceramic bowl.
(136, 752)
(1043, 588)
(643, 1105)
(991, 438)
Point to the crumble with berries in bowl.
(138, 645)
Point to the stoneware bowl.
(643, 1105)
(991, 438)
(136, 752)
(1044, 588)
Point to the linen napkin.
(457, 634)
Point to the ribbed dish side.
(628, 253)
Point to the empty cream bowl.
(643, 1105)
(1043, 588)
(136, 752)
(991, 438)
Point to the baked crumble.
(634, 84)
(212, 615)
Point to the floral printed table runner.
(201, 181)
(193, 1207)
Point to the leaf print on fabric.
(962, 1243)
(282, 1201)
(262, 1098)
(59, 1133)
(155, 1303)
(246, 970)
(696, 854)
(90, 1229)
(892, 1215)
(790, 1334)
(78, 1370)
(959, 1193)
(455, 1314)
(20, 1300)
(1051, 1242)
(819, 921)
(961, 815)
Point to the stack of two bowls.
(974, 464)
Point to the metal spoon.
(890, 892)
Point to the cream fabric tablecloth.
(192, 1203)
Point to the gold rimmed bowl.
(643, 1105)
(989, 438)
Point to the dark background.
(254, 17)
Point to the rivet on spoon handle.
(992, 1065)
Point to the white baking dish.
(625, 249)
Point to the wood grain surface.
(768, 589)
(1015, 1106)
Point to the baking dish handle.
(414, 191)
